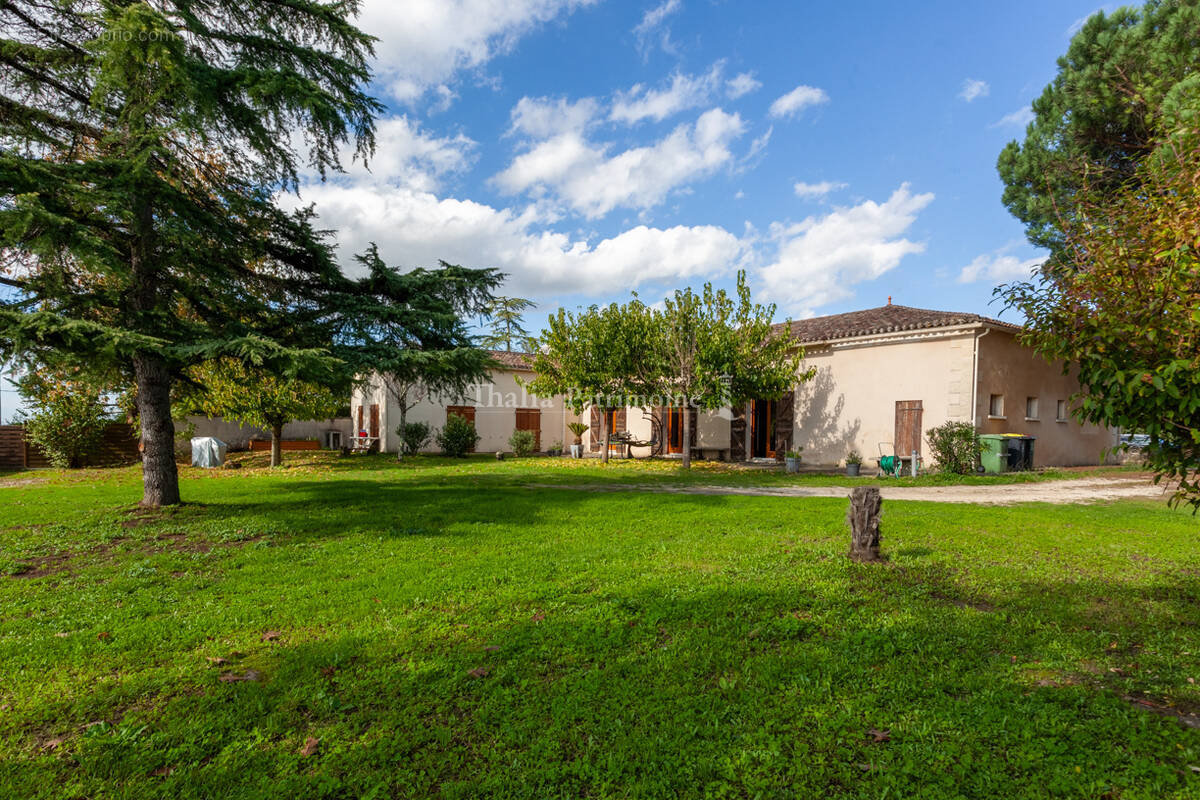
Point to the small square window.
(1061, 411)
(996, 405)
(1031, 408)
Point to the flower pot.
(576, 451)
(792, 464)
(852, 470)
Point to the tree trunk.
(276, 445)
(686, 461)
(749, 437)
(604, 434)
(400, 431)
(160, 476)
(863, 517)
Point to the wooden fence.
(118, 445)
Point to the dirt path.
(1087, 490)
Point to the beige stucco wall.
(851, 401)
(1017, 373)
(238, 436)
(495, 405)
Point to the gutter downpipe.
(975, 379)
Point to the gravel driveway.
(1084, 490)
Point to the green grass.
(445, 631)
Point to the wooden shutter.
(374, 430)
(908, 427)
(619, 420)
(360, 421)
(737, 434)
(530, 419)
(785, 415)
(595, 422)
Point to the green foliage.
(955, 446)
(458, 437)
(578, 429)
(254, 397)
(1127, 78)
(66, 426)
(507, 324)
(719, 647)
(521, 443)
(1122, 309)
(853, 457)
(414, 436)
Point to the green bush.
(414, 436)
(956, 447)
(67, 427)
(521, 443)
(458, 437)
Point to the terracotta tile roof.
(885, 319)
(511, 360)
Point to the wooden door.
(908, 427)
(762, 429)
(674, 430)
(466, 412)
(359, 430)
(530, 419)
(374, 429)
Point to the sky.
(840, 154)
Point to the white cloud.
(1000, 267)
(652, 22)
(684, 92)
(974, 89)
(741, 84)
(1019, 118)
(584, 177)
(543, 117)
(821, 259)
(424, 43)
(797, 100)
(415, 228)
(816, 190)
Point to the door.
(466, 412)
(374, 420)
(908, 427)
(674, 430)
(530, 419)
(762, 429)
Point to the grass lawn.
(351, 628)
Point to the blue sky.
(839, 153)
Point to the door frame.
(674, 429)
(769, 439)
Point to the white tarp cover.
(208, 451)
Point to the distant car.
(1136, 441)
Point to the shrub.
(956, 447)
(67, 427)
(521, 443)
(579, 429)
(458, 437)
(414, 436)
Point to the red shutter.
(530, 419)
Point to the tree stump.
(863, 517)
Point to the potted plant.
(555, 450)
(853, 463)
(577, 428)
(792, 459)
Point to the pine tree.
(142, 150)
(508, 325)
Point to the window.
(996, 406)
(1061, 413)
(1031, 408)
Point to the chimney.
(889, 299)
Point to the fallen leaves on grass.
(217, 661)
(270, 636)
(478, 672)
(310, 746)
(539, 616)
(163, 772)
(879, 735)
(52, 744)
(251, 675)
(103, 636)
